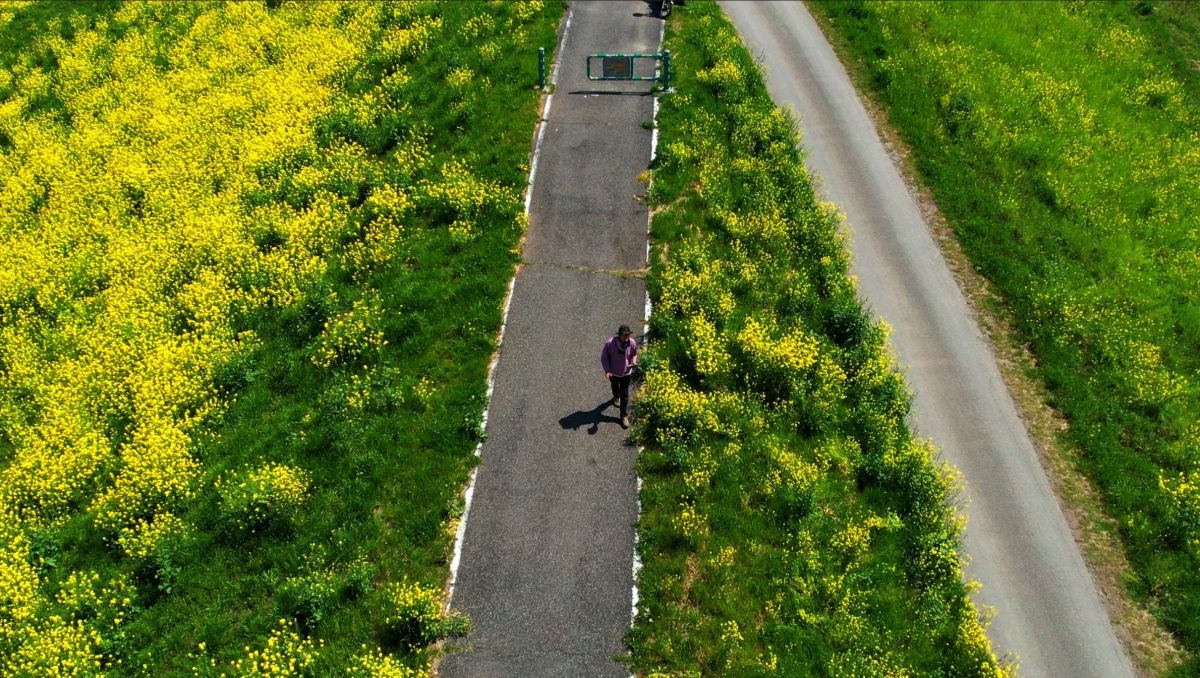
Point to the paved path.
(546, 568)
(1022, 551)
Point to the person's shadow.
(653, 9)
(584, 417)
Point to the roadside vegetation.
(254, 259)
(791, 523)
(1062, 143)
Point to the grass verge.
(791, 524)
(1063, 176)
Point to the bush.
(377, 664)
(413, 616)
(309, 598)
(158, 545)
(285, 653)
(263, 496)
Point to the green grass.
(1173, 27)
(1060, 142)
(16, 35)
(791, 525)
(386, 475)
(390, 477)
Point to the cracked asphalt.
(546, 570)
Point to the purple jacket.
(616, 360)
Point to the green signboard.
(617, 67)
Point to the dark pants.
(620, 389)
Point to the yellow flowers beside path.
(170, 175)
(791, 523)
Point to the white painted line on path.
(537, 145)
(654, 133)
(637, 558)
(469, 493)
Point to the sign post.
(541, 68)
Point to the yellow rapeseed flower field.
(135, 147)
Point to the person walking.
(617, 358)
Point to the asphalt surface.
(546, 566)
(1048, 612)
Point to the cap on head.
(624, 331)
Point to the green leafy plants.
(414, 616)
(259, 497)
(791, 524)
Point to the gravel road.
(1048, 612)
